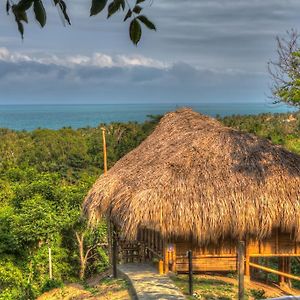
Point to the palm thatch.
(194, 176)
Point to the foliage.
(258, 294)
(282, 129)
(44, 176)
(285, 71)
(133, 13)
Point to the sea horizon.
(56, 116)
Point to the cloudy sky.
(203, 51)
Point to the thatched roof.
(193, 175)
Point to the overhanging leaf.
(137, 9)
(128, 15)
(7, 7)
(25, 4)
(21, 28)
(123, 4)
(40, 13)
(20, 14)
(113, 8)
(135, 31)
(97, 6)
(147, 22)
(139, 1)
(63, 8)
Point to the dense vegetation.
(44, 175)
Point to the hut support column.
(247, 261)
(284, 266)
(114, 252)
(174, 259)
(241, 267)
(166, 258)
(288, 270)
(281, 269)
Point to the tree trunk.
(83, 258)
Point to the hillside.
(44, 175)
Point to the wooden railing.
(155, 253)
(287, 275)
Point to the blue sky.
(203, 51)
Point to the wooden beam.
(210, 256)
(241, 273)
(274, 271)
(274, 255)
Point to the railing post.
(241, 267)
(114, 253)
(190, 258)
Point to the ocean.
(30, 117)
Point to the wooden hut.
(196, 184)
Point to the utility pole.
(104, 149)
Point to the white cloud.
(97, 59)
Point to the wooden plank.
(287, 275)
(209, 256)
(205, 260)
(207, 265)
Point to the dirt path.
(149, 285)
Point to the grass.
(106, 289)
(206, 288)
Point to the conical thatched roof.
(194, 176)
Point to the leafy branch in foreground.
(19, 12)
(285, 71)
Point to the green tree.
(285, 71)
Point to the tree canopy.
(132, 11)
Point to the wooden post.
(174, 259)
(166, 258)
(160, 267)
(50, 263)
(288, 270)
(281, 269)
(247, 261)
(114, 253)
(104, 150)
(190, 258)
(241, 258)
